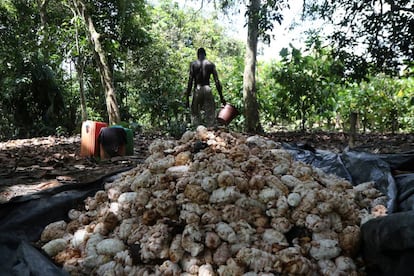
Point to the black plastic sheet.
(388, 244)
(404, 200)
(20, 257)
(328, 161)
(23, 219)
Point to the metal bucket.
(227, 114)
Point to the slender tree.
(80, 63)
(102, 61)
(44, 32)
(249, 77)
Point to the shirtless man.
(203, 99)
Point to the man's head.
(201, 53)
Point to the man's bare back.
(201, 70)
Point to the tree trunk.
(353, 120)
(44, 32)
(303, 116)
(394, 120)
(252, 123)
(104, 69)
(80, 66)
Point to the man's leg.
(209, 107)
(195, 108)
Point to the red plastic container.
(227, 114)
(89, 138)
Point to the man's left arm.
(218, 85)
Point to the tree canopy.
(376, 36)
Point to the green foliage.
(33, 102)
(382, 102)
(272, 98)
(267, 14)
(301, 87)
(312, 91)
(157, 85)
(231, 74)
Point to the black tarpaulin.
(23, 219)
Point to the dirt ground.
(32, 165)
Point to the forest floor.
(33, 165)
